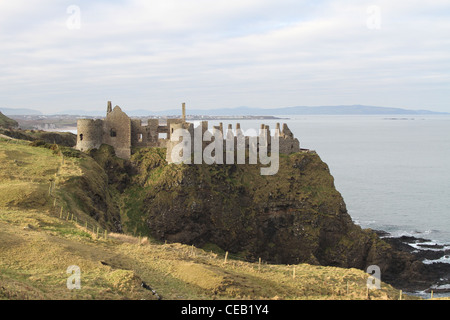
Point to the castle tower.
(108, 108)
(89, 134)
(117, 132)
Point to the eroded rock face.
(293, 217)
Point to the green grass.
(33, 262)
(37, 247)
(7, 122)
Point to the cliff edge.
(295, 216)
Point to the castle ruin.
(123, 133)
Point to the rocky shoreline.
(433, 275)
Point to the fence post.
(226, 257)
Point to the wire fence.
(60, 211)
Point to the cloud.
(155, 54)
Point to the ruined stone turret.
(90, 134)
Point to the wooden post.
(226, 257)
(86, 225)
(54, 203)
(259, 264)
(60, 213)
(400, 298)
(97, 232)
(105, 235)
(431, 294)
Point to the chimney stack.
(183, 112)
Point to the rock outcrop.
(295, 216)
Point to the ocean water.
(392, 171)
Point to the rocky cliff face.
(293, 217)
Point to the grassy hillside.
(67, 139)
(39, 241)
(36, 249)
(6, 122)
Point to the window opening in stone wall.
(81, 137)
(140, 137)
(113, 133)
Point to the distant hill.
(299, 110)
(6, 122)
(19, 112)
(243, 111)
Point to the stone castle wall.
(117, 132)
(123, 133)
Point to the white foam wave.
(444, 259)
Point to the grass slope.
(6, 122)
(37, 247)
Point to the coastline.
(434, 273)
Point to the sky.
(66, 55)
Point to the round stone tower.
(90, 134)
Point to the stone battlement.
(122, 133)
